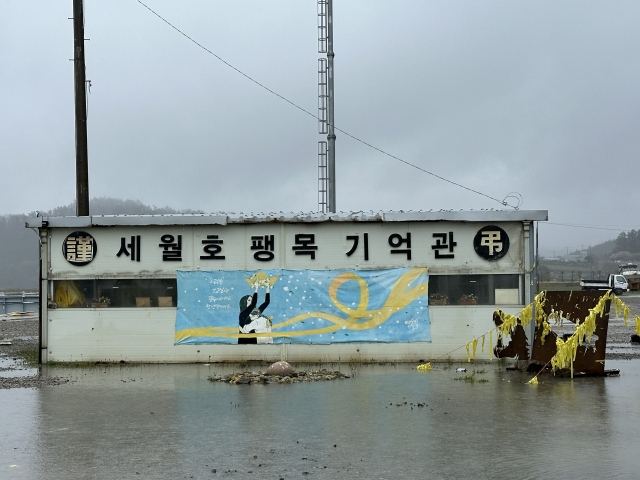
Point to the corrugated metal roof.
(291, 217)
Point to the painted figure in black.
(251, 319)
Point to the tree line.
(628, 242)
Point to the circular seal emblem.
(491, 243)
(79, 248)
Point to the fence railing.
(19, 302)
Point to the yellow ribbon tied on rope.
(546, 328)
(533, 310)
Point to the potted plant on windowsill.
(102, 302)
(468, 299)
(438, 299)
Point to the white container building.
(391, 286)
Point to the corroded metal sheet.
(518, 347)
(566, 307)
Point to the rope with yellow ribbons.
(509, 323)
(565, 350)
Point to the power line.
(595, 227)
(501, 202)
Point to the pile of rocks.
(279, 372)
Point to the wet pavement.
(170, 421)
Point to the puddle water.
(169, 421)
(12, 368)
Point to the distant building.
(576, 257)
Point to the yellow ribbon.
(546, 328)
(424, 367)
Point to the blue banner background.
(307, 306)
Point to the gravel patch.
(21, 331)
(35, 381)
(251, 378)
(619, 335)
(22, 334)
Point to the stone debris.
(251, 378)
(280, 368)
(35, 381)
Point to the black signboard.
(491, 243)
(79, 248)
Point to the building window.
(475, 290)
(115, 293)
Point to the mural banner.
(302, 306)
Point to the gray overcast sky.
(538, 97)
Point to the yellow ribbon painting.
(358, 318)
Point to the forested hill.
(19, 251)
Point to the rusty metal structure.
(562, 308)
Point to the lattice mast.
(326, 149)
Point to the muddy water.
(171, 422)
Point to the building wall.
(147, 334)
(330, 239)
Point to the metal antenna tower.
(326, 149)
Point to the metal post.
(45, 261)
(529, 287)
(534, 273)
(82, 161)
(536, 260)
(331, 137)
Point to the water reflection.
(168, 421)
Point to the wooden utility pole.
(82, 156)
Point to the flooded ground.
(385, 422)
(169, 421)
